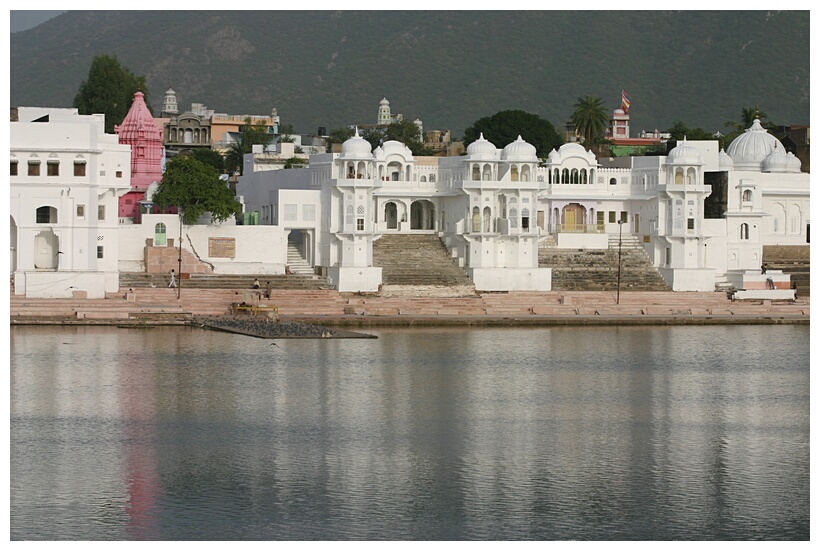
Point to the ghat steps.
(140, 280)
(597, 269)
(160, 305)
(416, 259)
(794, 260)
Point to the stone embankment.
(401, 306)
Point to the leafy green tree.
(210, 157)
(504, 128)
(252, 134)
(339, 135)
(680, 130)
(195, 188)
(408, 133)
(295, 162)
(590, 118)
(109, 89)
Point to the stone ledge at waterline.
(160, 306)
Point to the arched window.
(513, 217)
(514, 174)
(744, 232)
(747, 196)
(476, 173)
(691, 177)
(565, 176)
(612, 181)
(583, 176)
(525, 219)
(574, 176)
(424, 178)
(487, 219)
(46, 215)
(678, 176)
(433, 178)
(476, 220)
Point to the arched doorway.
(422, 215)
(391, 215)
(573, 217)
(46, 248)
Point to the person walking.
(173, 282)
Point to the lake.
(559, 433)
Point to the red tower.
(139, 130)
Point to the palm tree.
(747, 117)
(252, 134)
(590, 118)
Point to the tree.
(252, 134)
(408, 133)
(747, 117)
(109, 89)
(210, 157)
(339, 135)
(590, 118)
(504, 128)
(295, 162)
(195, 188)
(680, 130)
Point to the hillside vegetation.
(446, 68)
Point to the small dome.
(481, 149)
(725, 161)
(356, 147)
(776, 161)
(384, 102)
(794, 163)
(684, 154)
(619, 111)
(750, 148)
(521, 151)
(393, 147)
(572, 150)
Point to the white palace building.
(703, 215)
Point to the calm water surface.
(433, 434)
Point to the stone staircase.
(296, 260)
(794, 260)
(300, 281)
(161, 305)
(597, 269)
(417, 260)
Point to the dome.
(776, 161)
(619, 111)
(572, 150)
(684, 154)
(520, 150)
(384, 102)
(481, 149)
(794, 163)
(725, 161)
(356, 147)
(392, 147)
(750, 148)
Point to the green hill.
(446, 68)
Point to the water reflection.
(435, 434)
